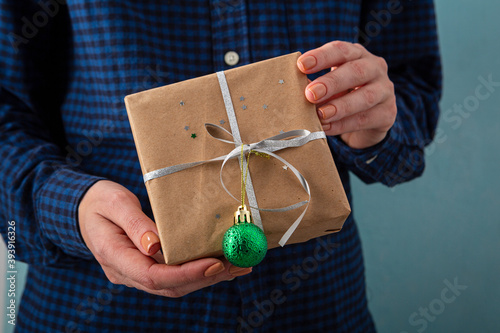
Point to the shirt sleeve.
(404, 33)
(40, 185)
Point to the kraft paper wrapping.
(190, 207)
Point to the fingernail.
(326, 127)
(328, 111)
(150, 242)
(214, 269)
(242, 272)
(308, 62)
(236, 269)
(317, 90)
(321, 114)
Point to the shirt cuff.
(369, 164)
(57, 214)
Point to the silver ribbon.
(290, 139)
(226, 96)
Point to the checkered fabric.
(65, 68)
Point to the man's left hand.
(356, 98)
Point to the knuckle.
(343, 107)
(359, 71)
(343, 47)
(117, 197)
(359, 46)
(340, 126)
(112, 277)
(390, 87)
(188, 276)
(146, 281)
(385, 91)
(134, 226)
(382, 64)
(361, 120)
(100, 258)
(393, 110)
(390, 104)
(370, 96)
(101, 253)
(333, 81)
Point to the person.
(71, 180)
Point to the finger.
(146, 272)
(329, 55)
(175, 280)
(124, 209)
(340, 94)
(352, 74)
(123, 263)
(379, 118)
(358, 100)
(130, 266)
(184, 289)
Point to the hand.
(356, 98)
(124, 241)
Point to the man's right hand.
(123, 239)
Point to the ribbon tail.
(291, 230)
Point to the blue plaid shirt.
(65, 69)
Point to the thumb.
(124, 209)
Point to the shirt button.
(231, 58)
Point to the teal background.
(444, 225)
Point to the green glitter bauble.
(244, 245)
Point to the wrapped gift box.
(191, 209)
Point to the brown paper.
(191, 209)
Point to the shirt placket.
(230, 36)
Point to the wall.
(7, 292)
(445, 225)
